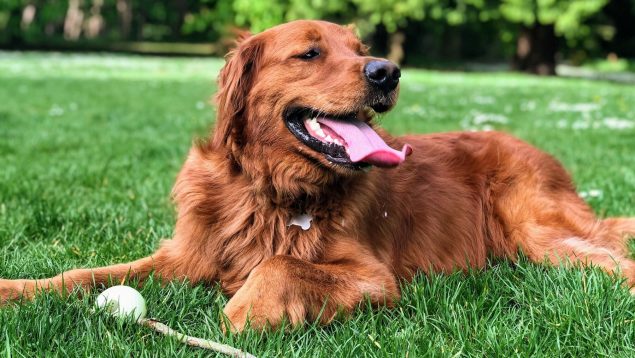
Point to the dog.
(301, 207)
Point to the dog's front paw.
(263, 303)
(242, 312)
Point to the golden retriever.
(301, 206)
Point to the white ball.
(122, 301)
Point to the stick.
(193, 341)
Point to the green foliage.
(392, 14)
(449, 25)
(260, 15)
(567, 15)
(208, 20)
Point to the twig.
(193, 341)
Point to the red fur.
(460, 198)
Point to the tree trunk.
(28, 15)
(124, 9)
(74, 20)
(396, 53)
(536, 49)
(95, 23)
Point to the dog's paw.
(243, 313)
(263, 303)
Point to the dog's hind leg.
(603, 247)
(543, 216)
(617, 233)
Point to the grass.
(616, 65)
(90, 146)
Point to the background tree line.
(531, 34)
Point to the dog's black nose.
(382, 74)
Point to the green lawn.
(617, 65)
(91, 144)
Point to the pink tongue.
(363, 144)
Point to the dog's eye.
(309, 55)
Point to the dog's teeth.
(329, 138)
(337, 141)
(319, 131)
(314, 125)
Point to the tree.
(530, 32)
(367, 14)
(260, 15)
(540, 22)
(621, 14)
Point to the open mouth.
(343, 139)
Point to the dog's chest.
(303, 234)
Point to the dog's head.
(307, 90)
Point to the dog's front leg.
(166, 263)
(284, 287)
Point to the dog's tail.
(85, 278)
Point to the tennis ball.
(122, 302)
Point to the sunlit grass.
(612, 65)
(90, 146)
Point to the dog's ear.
(241, 35)
(234, 83)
